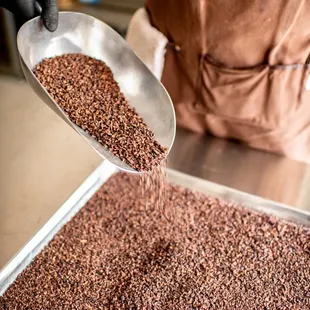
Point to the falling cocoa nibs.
(84, 88)
(116, 254)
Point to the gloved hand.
(31, 8)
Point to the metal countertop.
(255, 172)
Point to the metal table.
(255, 172)
(205, 164)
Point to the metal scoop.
(81, 33)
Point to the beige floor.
(42, 161)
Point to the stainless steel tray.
(79, 198)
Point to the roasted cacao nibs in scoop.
(118, 254)
(86, 91)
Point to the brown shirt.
(238, 69)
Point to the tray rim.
(24, 256)
(246, 200)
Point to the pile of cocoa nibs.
(118, 254)
(86, 91)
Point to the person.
(236, 69)
(28, 9)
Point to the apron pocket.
(262, 96)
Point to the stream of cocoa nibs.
(118, 254)
(85, 89)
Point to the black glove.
(31, 8)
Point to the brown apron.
(237, 69)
